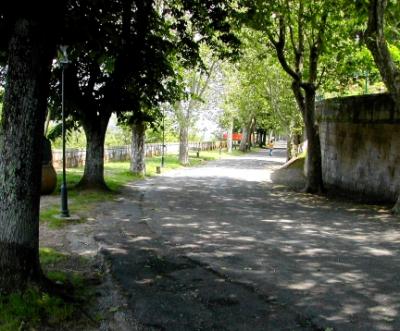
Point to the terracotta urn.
(49, 175)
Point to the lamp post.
(64, 193)
(163, 138)
(366, 81)
(364, 74)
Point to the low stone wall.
(360, 145)
(76, 157)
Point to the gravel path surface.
(225, 247)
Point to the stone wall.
(360, 145)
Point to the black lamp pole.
(64, 192)
(163, 139)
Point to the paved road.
(222, 247)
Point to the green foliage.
(32, 309)
(49, 256)
(131, 52)
(55, 131)
(326, 30)
(259, 88)
(351, 69)
(155, 134)
(195, 84)
(120, 136)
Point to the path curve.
(310, 262)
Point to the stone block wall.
(360, 145)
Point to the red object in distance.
(235, 136)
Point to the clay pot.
(49, 175)
(49, 179)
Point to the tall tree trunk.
(306, 105)
(250, 133)
(314, 182)
(138, 165)
(184, 144)
(377, 44)
(95, 128)
(21, 138)
(243, 142)
(229, 140)
(293, 141)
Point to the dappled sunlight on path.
(336, 262)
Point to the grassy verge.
(215, 154)
(38, 310)
(116, 175)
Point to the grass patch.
(116, 174)
(299, 163)
(31, 309)
(49, 256)
(52, 260)
(34, 309)
(214, 155)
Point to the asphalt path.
(225, 247)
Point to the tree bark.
(184, 144)
(306, 105)
(95, 128)
(376, 43)
(293, 142)
(138, 165)
(229, 138)
(314, 182)
(243, 142)
(250, 133)
(21, 133)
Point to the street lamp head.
(64, 59)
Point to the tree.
(129, 64)
(298, 31)
(260, 96)
(138, 165)
(378, 45)
(28, 45)
(196, 81)
(116, 68)
(227, 121)
(138, 122)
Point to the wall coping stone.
(359, 109)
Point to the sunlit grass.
(28, 310)
(116, 174)
(33, 308)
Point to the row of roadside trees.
(320, 48)
(125, 55)
(131, 57)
